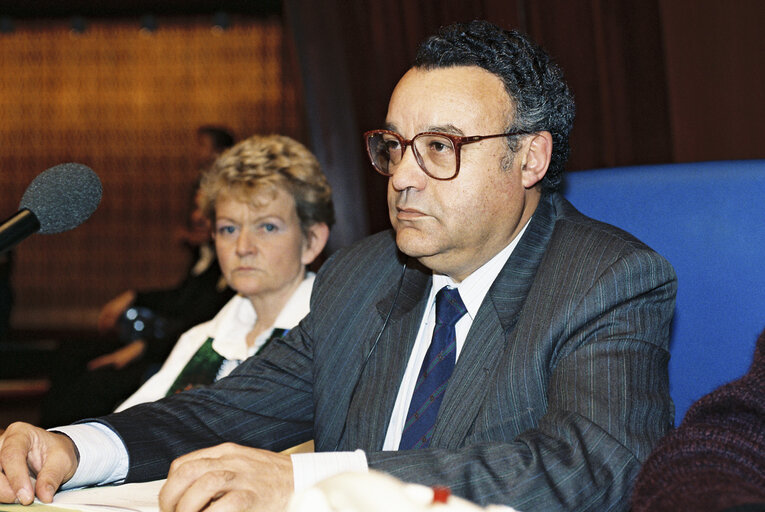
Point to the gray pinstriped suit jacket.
(560, 392)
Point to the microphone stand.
(16, 228)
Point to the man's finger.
(183, 472)
(233, 501)
(212, 452)
(13, 460)
(46, 489)
(205, 489)
(54, 472)
(24, 449)
(7, 495)
(186, 469)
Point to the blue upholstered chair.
(708, 220)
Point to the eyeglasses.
(437, 154)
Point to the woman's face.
(261, 249)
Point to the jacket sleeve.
(262, 403)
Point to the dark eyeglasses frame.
(457, 141)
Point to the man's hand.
(120, 357)
(228, 477)
(26, 449)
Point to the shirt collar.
(298, 305)
(474, 287)
(230, 327)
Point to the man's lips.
(409, 214)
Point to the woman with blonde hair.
(271, 210)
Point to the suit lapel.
(488, 335)
(375, 396)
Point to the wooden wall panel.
(127, 104)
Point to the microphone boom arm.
(18, 227)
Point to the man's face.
(453, 227)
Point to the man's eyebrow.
(446, 128)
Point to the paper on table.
(139, 497)
(34, 507)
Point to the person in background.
(496, 342)
(184, 305)
(715, 459)
(137, 329)
(271, 208)
(211, 142)
(175, 309)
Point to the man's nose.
(408, 173)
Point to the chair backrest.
(708, 220)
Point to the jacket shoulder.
(375, 254)
(580, 234)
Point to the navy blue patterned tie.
(434, 373)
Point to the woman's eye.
(268, 227)
(226, 230)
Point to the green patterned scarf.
(205, 364)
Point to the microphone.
(58, 199)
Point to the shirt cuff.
(310, 468)
(103, 457)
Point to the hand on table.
(26, 449)
(120, 357)
(228, 477)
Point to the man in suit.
(548, 383)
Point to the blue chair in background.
(708, 220)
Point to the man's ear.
(536, 158)
(315, 238)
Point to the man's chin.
(414, 243)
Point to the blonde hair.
(261, 165)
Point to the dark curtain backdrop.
(715, 56)
(353, 53)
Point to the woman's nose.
(245, 243)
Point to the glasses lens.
(436, 154)
(384, 150)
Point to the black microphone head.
(63, 197)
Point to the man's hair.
(221, 138)
(539, 94)
(255, 169)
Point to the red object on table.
(441, 494)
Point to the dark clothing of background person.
(715, 460)
(6, 294)
(77, 393)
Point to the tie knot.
(449, 306)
